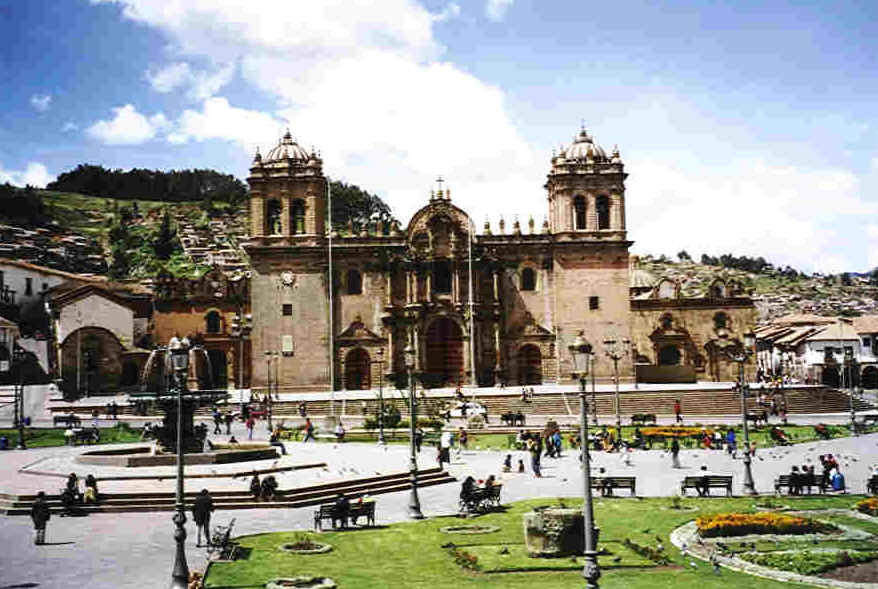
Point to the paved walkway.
(136, 550)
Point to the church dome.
(584, 147)
(287, 149)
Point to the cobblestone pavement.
(136, 550)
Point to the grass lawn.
(43, 438)
(411, 554)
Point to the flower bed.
(675, 432)
(741, 524)
(868, 506)
(809, 562)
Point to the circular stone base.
(472, 529)
(318, 548)
(142, 456)
(302, 582)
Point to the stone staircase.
(290, 498)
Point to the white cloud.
(496, 9)
(41, 102)
(35, 174)
(201, 84)
(800, 217)
(219, 120)
(69, 126)
(872, 245)
(128, 127)
(451, 11)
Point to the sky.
(745, 127)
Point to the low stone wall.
(137, 457)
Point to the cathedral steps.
(291, 498)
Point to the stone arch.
(579, 213)
(273, 211)
(869, 378)
(830, 376)
(530, 365)
(91, 360)
(213, 322)
(528, 279)
(297, 216)
(444, 350)
(357, 367)
(602, 210)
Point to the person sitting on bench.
(274, 440)
(605, 487)
(269, 487)
(795, 481)
(91, 489)
(255, 487)
(703, 487)
(340, 511)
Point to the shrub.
(869, 506)
(809, 562)
(463, 559)
(741, 524)
(653, 554)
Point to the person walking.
(217, 422)
(309, 431)
(675, 453)
(731, 443)
(445, 441)
(535, 452)
(227, 418)
(40, 514)
(419, 439)
(250, 424)
(201, 510)
(678, 411)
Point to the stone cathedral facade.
(533, 288)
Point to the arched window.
(603, 210)
(212, 322)
(272, 217)
(355, 282)
(579, 213)
(528, 279)
(720, 321)
(297, 217)
(442, 276)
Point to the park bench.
(90, 436)
(643, 419)
(366, 510)
(70, 420)
(482, 499)
(807, 481)
(610, 483)
(758, 416)
(709, 481)
(222, 545)
(512, 418)
(872, 485)
(870, 418)
(324, 513)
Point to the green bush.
(809, 562)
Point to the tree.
(684, 256)
(166, 240)
(350, 203)
(846, 279)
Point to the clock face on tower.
(287, 278)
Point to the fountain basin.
(142, 456)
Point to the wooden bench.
(872, 485)
(609, 483)
(643, 418)
(512, 418)
(758, 416)
(708, 482)
(870, 418)
(807, 481)
(482, 499)
(68, 420)
(90, 436)
(366, 510)
(324, 513)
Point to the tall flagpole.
(331, 323)
(472, 327)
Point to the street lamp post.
(414, 502)
(241, 327)
(594, 395)
(616, 350)
(381, 441)
(581, 352)
(741, 356)
(18, 358)
(180, 363)
(849, 380)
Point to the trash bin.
(27, 421)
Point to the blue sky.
(745, 127)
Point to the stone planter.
(302, 583)
(554, 532)
(317, 549)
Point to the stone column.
(285, 228)
(416, 343)
(455, 285)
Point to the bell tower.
(287, 193)
(586, 191)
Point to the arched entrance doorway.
(870, 378)
(830, 376)
(218, 370)
(530, 365)
(669, 356)
(445, 351)
(356, 370)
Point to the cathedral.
(477, 307)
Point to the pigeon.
(646, 531)
(617, 559)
